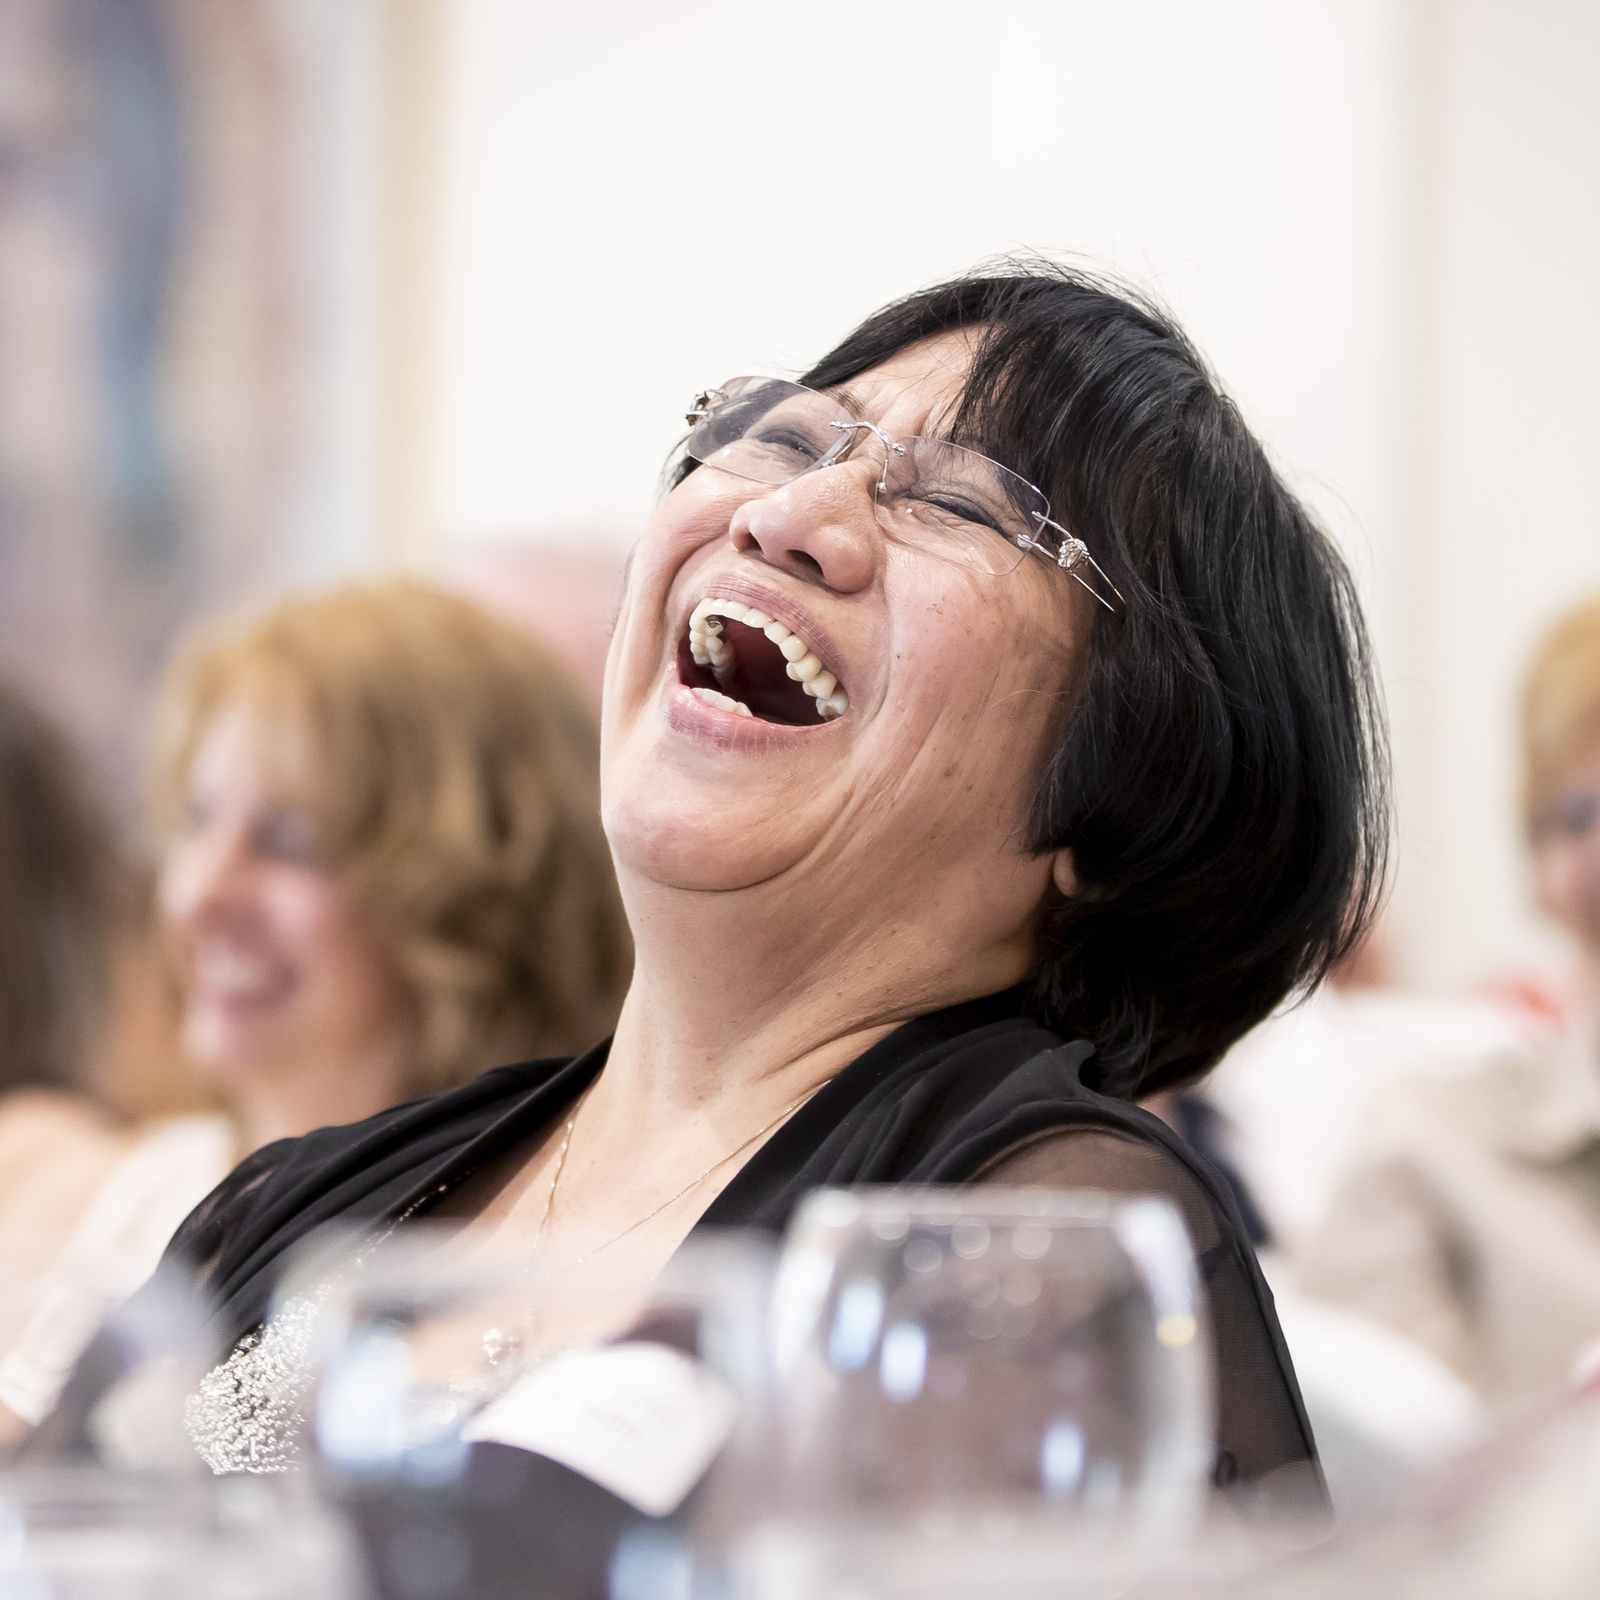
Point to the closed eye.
(962, 510)
(786, 439)
(1579, 813)
(287, 834)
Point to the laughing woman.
(989, 741)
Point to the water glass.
(980, 1391)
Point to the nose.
(821, 527)
(204, 879)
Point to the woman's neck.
(678, 1048)
(287, 1099)
(733, 1003)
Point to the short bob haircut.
(65, 898)
(456, 790)
(1220, 770)
(1560, 710)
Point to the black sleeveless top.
(978, 1090)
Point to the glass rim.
(1001, 1204)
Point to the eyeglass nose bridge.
(849, 437)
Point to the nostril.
(821, 535)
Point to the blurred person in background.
(379, 805)
(382, 868)
(1561, 808)
(1471, 1221)
(63, 915)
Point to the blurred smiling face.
(903, 777)
(275, 961)
(1566, 854)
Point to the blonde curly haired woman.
(385, 867)
(382, 870)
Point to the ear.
(1064, 873)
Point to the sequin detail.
(247, 1413)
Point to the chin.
(227, 1057)
(694, 843)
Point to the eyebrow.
(853, 404)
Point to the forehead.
(257, 740)
(917, 388)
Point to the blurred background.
(292, 291)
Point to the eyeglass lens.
(955, 503)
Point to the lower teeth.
(726, 702)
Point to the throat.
(756, 672)
(674, 1062)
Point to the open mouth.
(229, 978)
(737, 657)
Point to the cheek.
(1553, 881)
(695, 514)
(332, 936)
(1586, 884)
(188, 880)
(975, 676)
(683, 523)
(173, 923)
(960, 759)
(174, 893)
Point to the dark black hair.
(1221, 769)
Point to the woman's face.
(1566, 855)
(277, 966)
(913, 802)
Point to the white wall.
(640, 201)
(1508, 487)
(1344, 202)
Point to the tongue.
(757, 675)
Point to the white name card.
(642, 1420)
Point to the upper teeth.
(710, 649)
(227, 969)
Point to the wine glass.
(980, 1391)
(91, 1532)
(482, 1413)
(413, 1342)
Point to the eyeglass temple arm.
(1070, 552)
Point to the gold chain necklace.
(498, 1344)
(672, 1199)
